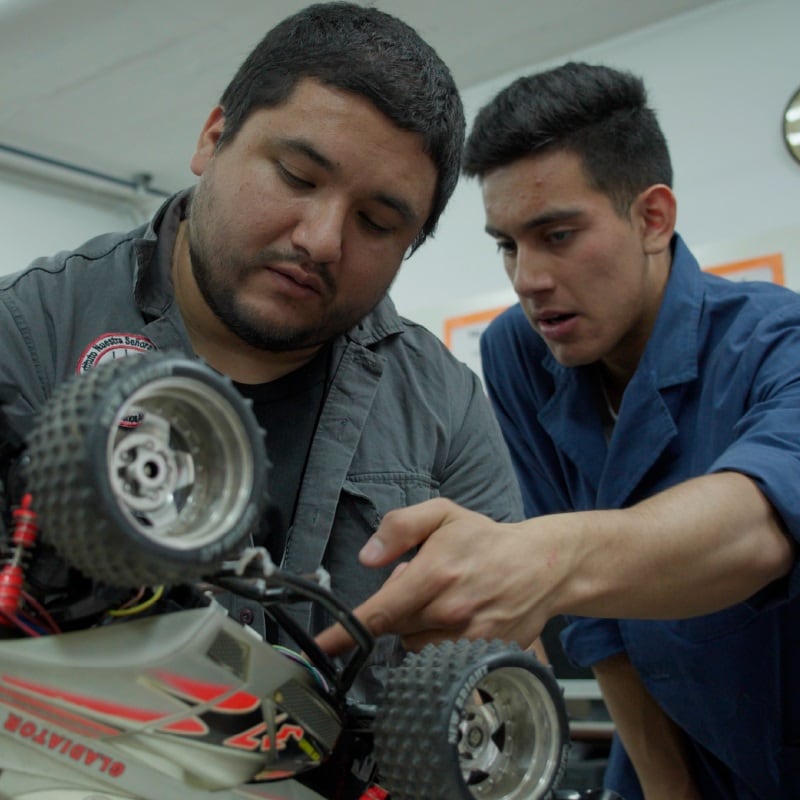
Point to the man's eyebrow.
(548, 218)
(305, 148)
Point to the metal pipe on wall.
(139, 183)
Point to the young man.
(331, 156)
(652, 412)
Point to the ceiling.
(122, 87)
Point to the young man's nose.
(530, 273)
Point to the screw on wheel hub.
(146, 473)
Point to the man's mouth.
(556, 326)
(555, 319)
(298, 276)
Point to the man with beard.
(331, 155)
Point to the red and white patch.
(111, 346)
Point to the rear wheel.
(466, 720)
(146, 471)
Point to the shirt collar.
(153, 282)
(381, 322)
(671, 352)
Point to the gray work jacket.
(403, 421)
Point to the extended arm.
(696, 548)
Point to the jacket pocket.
(363, 502)
(367, 497)
(714, 626)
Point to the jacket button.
(246, 616)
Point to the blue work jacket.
(717, 389)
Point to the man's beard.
(217, 276)
(220, 295)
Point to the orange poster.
(462, 335)
(765, 268)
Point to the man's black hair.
(367, 52)
(598, 113)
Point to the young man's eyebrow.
(548, 218)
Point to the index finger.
(394, 608)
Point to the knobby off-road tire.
(465, 720)
(147, 471)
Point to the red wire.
(42, 611)
(23, 626)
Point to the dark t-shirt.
(287, 409)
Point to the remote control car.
(128, 512)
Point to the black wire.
(279, 589)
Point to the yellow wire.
(129, 612)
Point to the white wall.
(40, 215)
(720, 79)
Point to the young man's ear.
(207, 143)
(655, 209)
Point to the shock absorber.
(12, 575)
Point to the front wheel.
(470, 721)
(147, 471)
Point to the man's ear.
(207, 143)
(655, 209)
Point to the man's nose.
(530, 273)
(320, 231)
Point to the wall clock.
(791, 125)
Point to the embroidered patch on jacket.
(111, 346)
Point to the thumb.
(403, 529)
